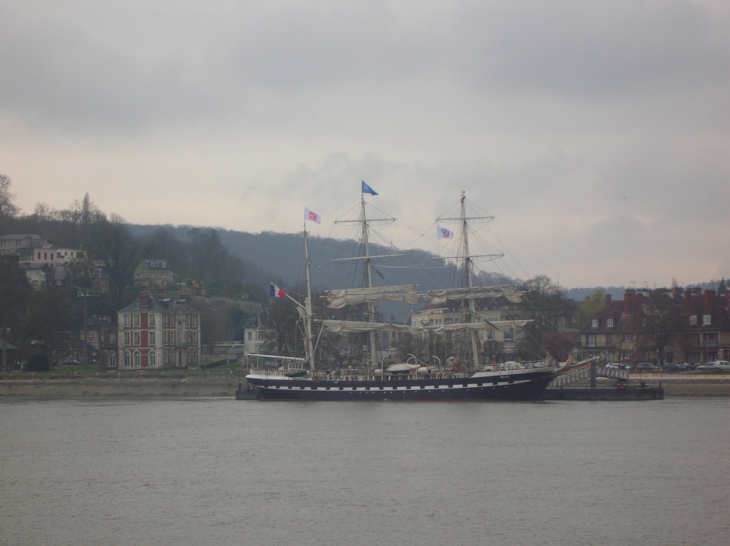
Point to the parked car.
(646, 367)
(672, 367)
(708, 366)
(722, 365)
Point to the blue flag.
(368, 189)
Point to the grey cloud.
(84, 63)
(600, 48)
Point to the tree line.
(112, 251)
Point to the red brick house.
(156, 333)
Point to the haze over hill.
(279, 258)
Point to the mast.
(367, 260)
(368, 281)
(467, 261)
(308, 305)
(469, 281)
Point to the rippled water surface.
(216, 471)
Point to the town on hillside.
(78, 291)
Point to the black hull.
(522, 387)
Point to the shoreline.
(189, 385)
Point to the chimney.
(640, 301)
(608, 301)
(687, 299)
(709, 297)
(628, 297)
(727, 300)
(144, 300)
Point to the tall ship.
(470, 380)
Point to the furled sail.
(354, 326)
(439, 297)
(471, 326)
(362, 326)
(337, 299)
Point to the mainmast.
(367, 260)
(368, 281)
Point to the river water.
(221, 472)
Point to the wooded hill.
(279, 258)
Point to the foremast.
(308, 310)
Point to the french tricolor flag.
(276, 292)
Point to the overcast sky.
(597, 133)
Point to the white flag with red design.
(312, 216)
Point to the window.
(508, 335)
(152, 319)
(126, 320)
(594, 323)
(706, 320)
(627, 338)
(591, 340)
(126, 338)
(136, 338)
(693, 320)
(136, 319)
(137, 359)
(127, 359)
(153, 341)
(609, 323)
(152, 274)
(153, 359)
(112, 359)
(250, 336)
(112, 338)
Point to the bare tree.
(14, 294)
(118, 252)
(7, 207)
(659, 325)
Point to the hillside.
(279, 257)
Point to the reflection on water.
(217, 471)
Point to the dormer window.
(609, 323)
(594, 323)
(706, 320)
(693, 320)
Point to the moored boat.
(404, 381)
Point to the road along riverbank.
(192, 384)
(125, 385)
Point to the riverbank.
(181, 385)
(192, 384)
